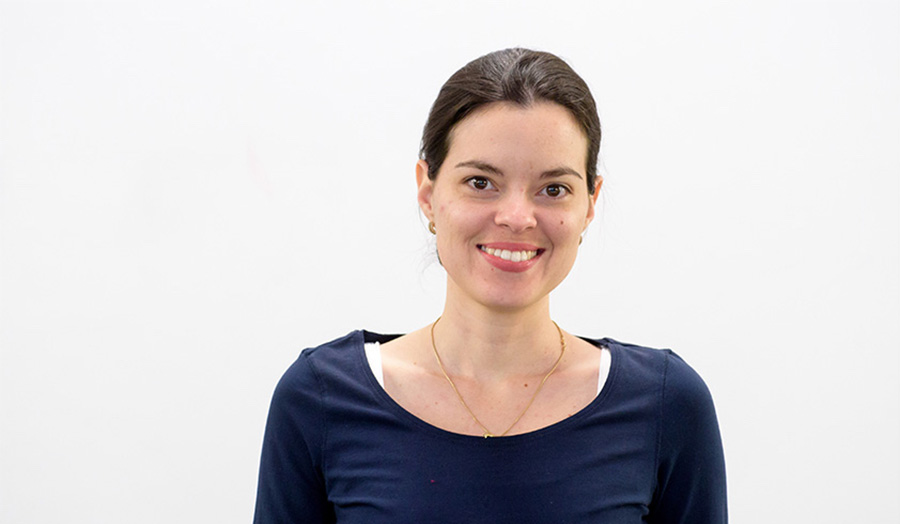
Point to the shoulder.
(661, 366)
(332, 375)
(683, 385)
(305, 380)
(690, 466)
(291, 475)
(662, 378)
(299, 397)
(685, 405)
(328, 354)
(338, 356)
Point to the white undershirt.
(373, 355)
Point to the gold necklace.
(487, 432)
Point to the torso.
(413, 379)
(339, 449)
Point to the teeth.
(513, 256)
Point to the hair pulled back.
(516, 75)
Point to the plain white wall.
(191, 192)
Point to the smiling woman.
(509, 203)
(390, 429)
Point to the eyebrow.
(488, 168)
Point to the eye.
(555, 190)
(479, 183)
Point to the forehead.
(506, 132)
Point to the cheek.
(564, 231)
(460, 218)
(562, 225)
(572, 219)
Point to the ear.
(426, 189)
(592, 201)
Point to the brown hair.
(516, 75)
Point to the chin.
(504, 291)
(507, 301)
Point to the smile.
(512, 256)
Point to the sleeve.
(291, 485)
(690, 462)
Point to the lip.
(512, 246)
(509, 265)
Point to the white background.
(192, 192)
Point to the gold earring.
(580, 239)
(432, 228)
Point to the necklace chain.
(487, 432)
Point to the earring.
(432, 228)
(580, 239)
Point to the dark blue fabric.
(337, 448)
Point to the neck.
(487, 343)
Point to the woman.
(492, 413)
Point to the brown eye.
(555, 190)
(479, 183)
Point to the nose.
(515, 211)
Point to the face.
(509, 203)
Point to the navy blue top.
(337, 448)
